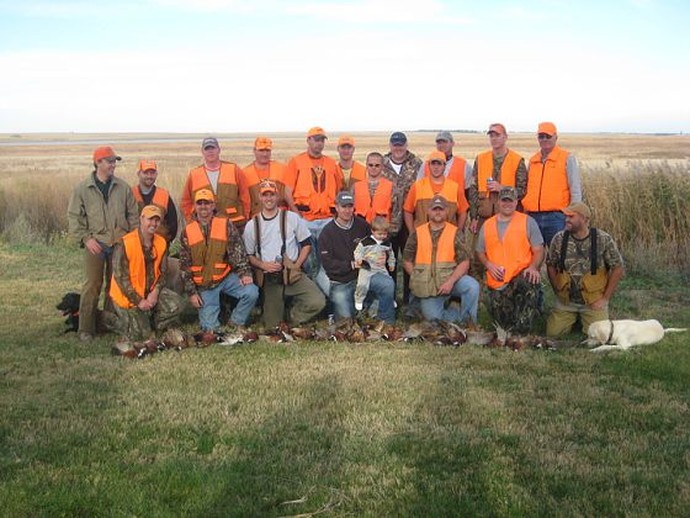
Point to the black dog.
(69, 305)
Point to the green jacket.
(89, 216)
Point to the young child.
(372, 255)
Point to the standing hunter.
(101, 210)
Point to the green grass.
(377, 429)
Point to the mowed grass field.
(323, 428)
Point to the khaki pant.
(307, 301)
(95, 266)
(563, 317)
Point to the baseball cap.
(268, 186)
(436, 155)
(204, 194)
(497, 127)
(346, 140)
(104, 152)
(507, 193)
(578, 208)
(146, 165)
(152, 211)
(398, 138)
(209, 142)
(444, 135)
(438, 201)
(547, 127)
(263, 143)
(345, 198)
(316, 131)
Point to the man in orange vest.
(457, 168)
(422, 191)
(437, 261)
(374, 196)
(232, 188)
(264, 167)
(494, 169)
(553, 183)
(142, 303)
(314, 181)
(511, 249)
(348, 167)
(214, 261)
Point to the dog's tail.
(675, 330)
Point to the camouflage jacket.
(401, 185)
(122, 275)
(577, 258)
(473, 191)
(236, 257)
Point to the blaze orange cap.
(346, 140)
(152, 211)
(104, 152)
(146, 165)
(316, 131)
(204, 194)
(547, 127)
(268, 186)
(436, 155)
(263, 143)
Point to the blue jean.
(246, 299)
(381, 287)
(467, 289)
(549, 223)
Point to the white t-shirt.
(271, 241)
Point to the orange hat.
(547, 127)
(152, 211)
(268, 186)
(104, 152)
(204, 194)
(146, 165)
(263, 143)
(346, 140)
(436, 155)
(495, 127)
(316, 131)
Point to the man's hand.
(532, 274)
(153, 298)
(271, 267)
(599, 304)
(446, 287)
(474, 226)
(144, 305)
(493, 186)
(246, 280)
(196, 300)
(93, 246)
(496, 271)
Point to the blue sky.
(226, 65)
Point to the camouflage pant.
(136, 324)
(516, 306)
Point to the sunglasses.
(437, 162)
(375, 165)
(111, 160)
(204, 202)
(544, 136)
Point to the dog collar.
(608, 340)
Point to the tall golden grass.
(637, 185)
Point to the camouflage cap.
(507, 193)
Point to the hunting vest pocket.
(592, 287)
(562, 287)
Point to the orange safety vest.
(424, 192)
(514, 253)
(380, 205)
(313, 201)
(160, 199)
(357, 173)
(276, 172)
(228, 200)
(209, 258)
(485, 169)
(547, 183)
(433, 265)
(456, 173)
(137, 267)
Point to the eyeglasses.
(111, 160)
(544, 136)
(375, 165)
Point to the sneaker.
(85, 337)
(359, 306)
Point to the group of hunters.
(319, 237)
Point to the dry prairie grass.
(637, 185)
